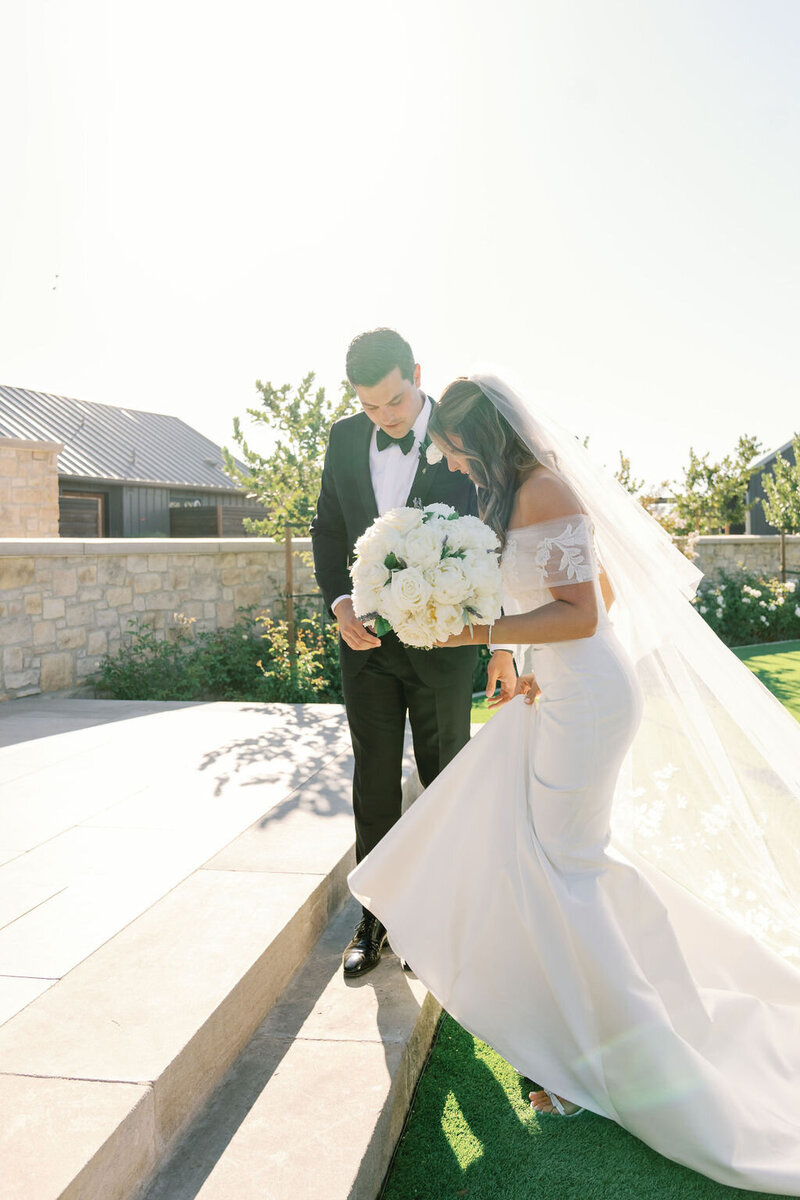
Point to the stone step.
(315, 1104)
(101, 1072)
(133, 989)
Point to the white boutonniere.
(433, 454)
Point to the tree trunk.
(287, 534)
(783, 556)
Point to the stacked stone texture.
(749, 552)
(65, 604)
(28, 488)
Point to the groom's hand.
(500, 671)
(357, 636)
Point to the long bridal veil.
(710, 792)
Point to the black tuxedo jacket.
(347, 507)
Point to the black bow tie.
(405, 443)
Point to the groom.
(376, 461)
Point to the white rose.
(487, 605)
(418, 629)
(422, 547)
(388, 608)
(369, 573)
(433, 454)
(376, 544)
(449, 582)
(410, 589)
(401, 520)
(483, 571)
(369, 578)
(439, 510)
(449, 620)
(470, 533)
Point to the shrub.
(248, 661)
(314, 676)
(744, 608)
(148, 667)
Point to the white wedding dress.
(587, 967)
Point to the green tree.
(625, 476)
(733, 476)
(287, 481)
(714, 495)
(782, 497)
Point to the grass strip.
(472, 1136)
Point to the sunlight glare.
(462, 1141)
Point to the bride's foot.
(548, 1102)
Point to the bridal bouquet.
(426, 573)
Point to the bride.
(604, 885)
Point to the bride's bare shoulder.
(543, 496)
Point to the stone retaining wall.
(65, 603)
(760, 553)
(28, 488)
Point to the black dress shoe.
(364, 952)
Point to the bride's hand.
(528, 687)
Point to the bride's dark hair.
(498, 459)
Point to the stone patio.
(172, 1014)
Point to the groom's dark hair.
(372, 355)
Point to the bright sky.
(599, 196)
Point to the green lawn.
(480, 711)
(778, 666)
(472, 1136)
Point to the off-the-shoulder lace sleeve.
(561, 551)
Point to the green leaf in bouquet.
(393, 563)
(449, 552)
(382, 626)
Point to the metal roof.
(124, 444)
(766, 458)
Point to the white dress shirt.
(392, 472)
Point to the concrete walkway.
(166, 870)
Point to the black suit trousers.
(377, 698)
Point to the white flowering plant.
(426, 573)
(745, 609)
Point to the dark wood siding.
(211, 521)
(81, 514)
